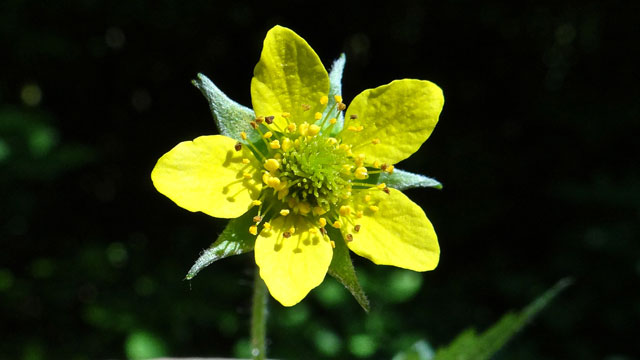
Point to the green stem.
(259, 318)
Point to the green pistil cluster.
(315, 172)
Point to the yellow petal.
(207, 174)
(398, 234)
(401, 115)
(288, 76)
(292, 266)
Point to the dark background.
(536, 148)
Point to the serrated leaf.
(403, 180)
(420, 350)
(470, 345)
(234, 240)
(335, 88)
(342, 269)
(230, 117)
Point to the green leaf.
(421, 350)
(342, 269)
(234, 240)
(402, 180)
(470, 345)
(231, 117)
(335, 88)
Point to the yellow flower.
(305, 163)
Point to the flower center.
(308, 171)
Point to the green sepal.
(230, 117)
(403, 180)
(341, 268)
(234, 240)
(335, 88)
(470, 345)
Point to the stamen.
(257, 219)
(345, 210)
(375, 141)
(355, 228)
(243, 135)
(275, 144)
(284, 212)
(256, 202)
(353, 116)
(286, 234)
(318, 116)
(291, 127)
(267, 225)
(337, 98)
(341, 106)
(238, 146)
(272, 165)
(381, 186)
(306, 107)
(324, 100)
(374, 208)
(322, 222)
(359, 214)
(360, 173)
(253, 230)
(349, 238)
(246, 161)
(389, 169)
(259, 119)
(333, 244)
(247, 176)
(267, 135)
(313, 130)
(336, 224)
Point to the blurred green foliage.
(536, 150)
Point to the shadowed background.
(534, 147)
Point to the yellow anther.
(389, 169)
(337, 98)
(291, 127)
(361, 173)
(274, 182)
(246, 176)
(355, 128)
(306, 107)
(381, 186)
(286, 115)
(292, 230)
(304, 208)
(272, 165)
(344, 147)
(336, 224)
(345, 210)
(267, 135)
(253, 230)
(265, 178)
(313, 130)
(324, 100)
(243, 135)
(367, 198)
(286, 144)
(332, 141)
(376, 164)
(275, 144)
(267, 226)
(322, 222)
(374, 208)
(256, 202)
(333, 244)
(245, 161)
(332, 121)
(284, 212)
(317, 210)
(375, 141)
(313, 230)
(359, 214)
(360, 160)
(303, 129)
(318, 116)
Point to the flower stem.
(259, 318)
